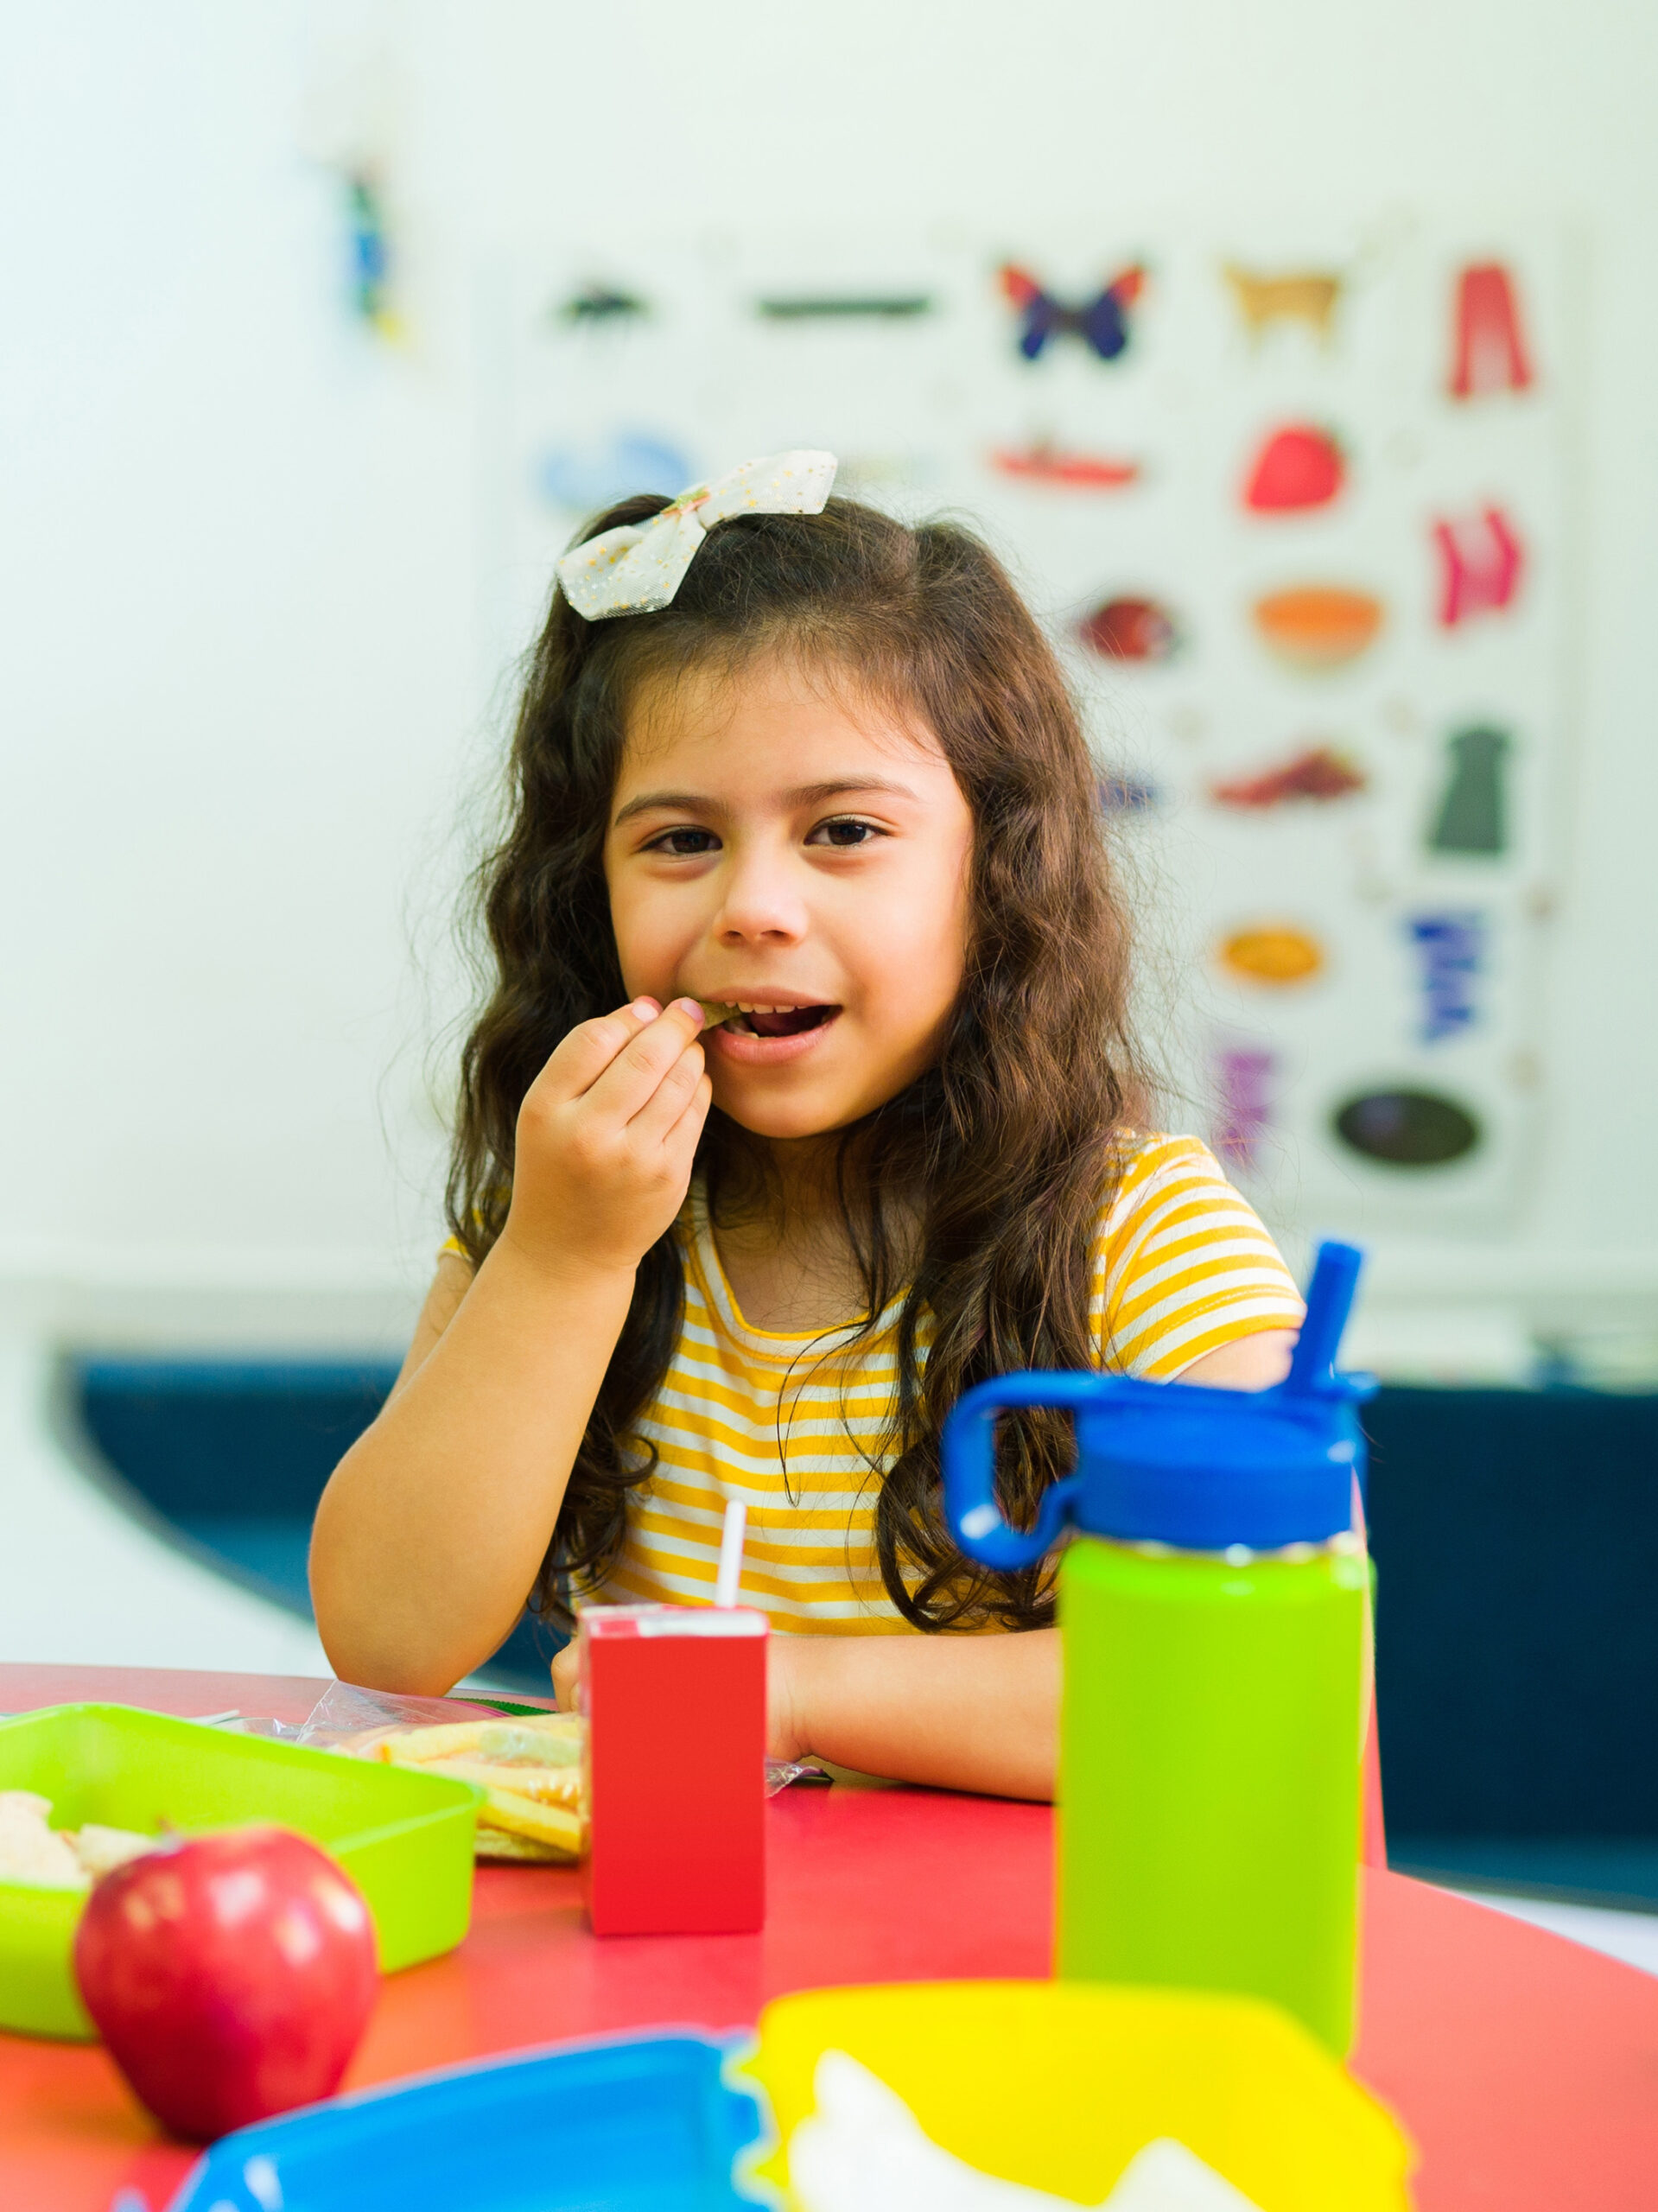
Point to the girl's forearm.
(958, 1711)
(432, 1527)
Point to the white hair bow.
(637, 568)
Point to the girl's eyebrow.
(806, 795)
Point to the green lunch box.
(405, 1838)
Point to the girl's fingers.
(629, 1084)
(564, 1667)
(687, 1129)
(581, 1057)
(667, 1103)
(680, 1143)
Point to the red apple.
(231, 1976)
(1300, 467)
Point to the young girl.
(823, 769)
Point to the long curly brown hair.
(978, 1185)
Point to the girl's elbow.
(378, 1642)
(371, 1661)
(359, 1642)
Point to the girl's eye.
(845, 831)
(683, 844)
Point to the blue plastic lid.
(1203, 1468)
(1180, 1464)
(643, 2122)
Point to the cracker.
(555, 1739)
(543, 1785)
(498, 1843)
(549, 1824)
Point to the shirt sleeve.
(1182, 1264)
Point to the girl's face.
(805, 854)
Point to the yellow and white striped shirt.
(792, 1424)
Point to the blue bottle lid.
(1180, 1464)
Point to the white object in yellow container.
(1057, 2085)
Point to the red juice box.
(675, 1697)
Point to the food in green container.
(35, 1854)
(404, 1837)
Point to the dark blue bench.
(227, 1459)
(1515, 1534)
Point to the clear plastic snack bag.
(526, 1756)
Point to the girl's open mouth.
(764, 1036)
(779, 1022)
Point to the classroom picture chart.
(1291, 504)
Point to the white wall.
(244, 686)
(82, 1583)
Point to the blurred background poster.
(1301, 367)
(1291, 499)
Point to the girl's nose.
(762, 900)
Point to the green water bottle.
(1213, 1613)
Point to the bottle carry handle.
(969, 1443)
(968, 1450)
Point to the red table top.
(1524, 2067)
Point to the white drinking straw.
(731, 1553)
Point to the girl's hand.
(607, 1134)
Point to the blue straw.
(1329, 1301)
